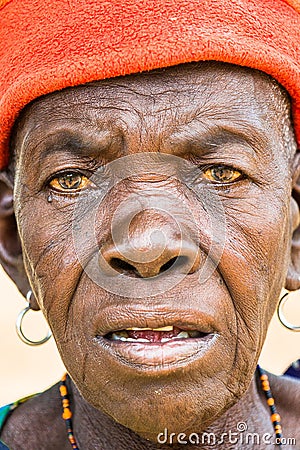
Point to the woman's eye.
(222, 174)
(69, 181)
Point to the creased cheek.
(256, 245)
(261, 234)
(50, 258)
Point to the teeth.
(114, 337)
(138, 329)
(135, 340)
(182, 335)
(167, 328)
(119, 337)
(121, 334)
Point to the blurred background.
(26, 370)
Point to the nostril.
(167, 265)
(184, 260)
(122, 266)
(180, 261)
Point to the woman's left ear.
(11, 257)
(293, 275)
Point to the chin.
(166, 406)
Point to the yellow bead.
(275, 417)
(63, 391)
(67, 414)
(270, 401)
(265, 385)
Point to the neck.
(244, 424)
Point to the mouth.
(156, 340)
(159, 335)
(160, 349)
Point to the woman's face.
(99, 237)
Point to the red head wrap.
(47, 45)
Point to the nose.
(152, 245)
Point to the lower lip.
(159, 356)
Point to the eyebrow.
(194, 136)
(78, 144)
(210, 136)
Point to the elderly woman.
(150, 208)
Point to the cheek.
(54, 258)
(259, 232)
(50, 257)
(254, 264)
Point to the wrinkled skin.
(210, 114)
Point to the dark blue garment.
(294, 370)
(3, 446)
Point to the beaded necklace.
(67, 414)
(275, 417)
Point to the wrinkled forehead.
(208, 80)
(212, 90)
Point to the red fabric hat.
(47, 45)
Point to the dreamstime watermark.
(240, 436)
(170, 203)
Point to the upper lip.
(114, 318)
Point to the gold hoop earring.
(281, 316)
(19, 323)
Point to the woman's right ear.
(10, 246)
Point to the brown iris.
(69, 181)
(222, 174)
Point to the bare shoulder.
(286, 392)
(37, 423)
